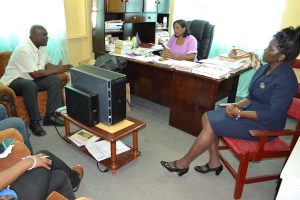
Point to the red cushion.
(294, 110)
(295, 63)
(242, 146)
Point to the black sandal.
(206, 168)
(175, 168)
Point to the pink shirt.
(189, 45)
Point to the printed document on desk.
(101, 150)
(233, 66)
(212, 71)
(181, 65)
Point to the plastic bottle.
(134, 44)
(165, 22)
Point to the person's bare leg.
(205, 140)
(214, 160)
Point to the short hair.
(183, 24)
(34, 28)
(288, 42)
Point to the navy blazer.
(271, 95)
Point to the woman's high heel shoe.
(206, 168)
(175, 168)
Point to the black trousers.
(38, 183)
(29, 89)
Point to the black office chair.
(203, 31)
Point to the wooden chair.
(57, 196)
(246, 151)
(15, 104)
(296, 66)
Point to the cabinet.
(138, 16)
(120, 6)
(163, 6)
(159, 6)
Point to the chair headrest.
(197, 28)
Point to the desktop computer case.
(82, 105)
(110, 87)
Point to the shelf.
(162, 29)
(114, 31)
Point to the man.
(29, 70)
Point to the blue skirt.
(226, 126)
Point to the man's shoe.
(36, 128)
(52, 119)
(79, 170)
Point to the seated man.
(14, 122)
(29, 70)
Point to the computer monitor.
(146, 31)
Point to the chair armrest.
(6, 90)
(65, 77)
(274, 133)
(8, 98)
(264, 134)
(56, 196)
(10, 133)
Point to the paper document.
(83, 137)
(223, 63)
(101, 150)
(7, 151)
(212, 71)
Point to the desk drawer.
(149, 17)
(133, 17)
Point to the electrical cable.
(100, 167)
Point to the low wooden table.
(115, 161)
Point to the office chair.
(255, 151)
(203, 31)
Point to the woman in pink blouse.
(182, 45)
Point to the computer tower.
(82, 105)
(110, 87)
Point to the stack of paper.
(233, 66)
(83, 137)
(183, 65)
(114, 25)
(101, 150)
(212, 71)
(123, 47)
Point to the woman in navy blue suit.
(270, 95)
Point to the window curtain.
(244, 24)
(17, 16)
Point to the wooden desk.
(188, 95)
(150, 81)
(115, 161)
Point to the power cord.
(58, 111)
(100, 167)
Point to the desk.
(188, 95)
(115, 161)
